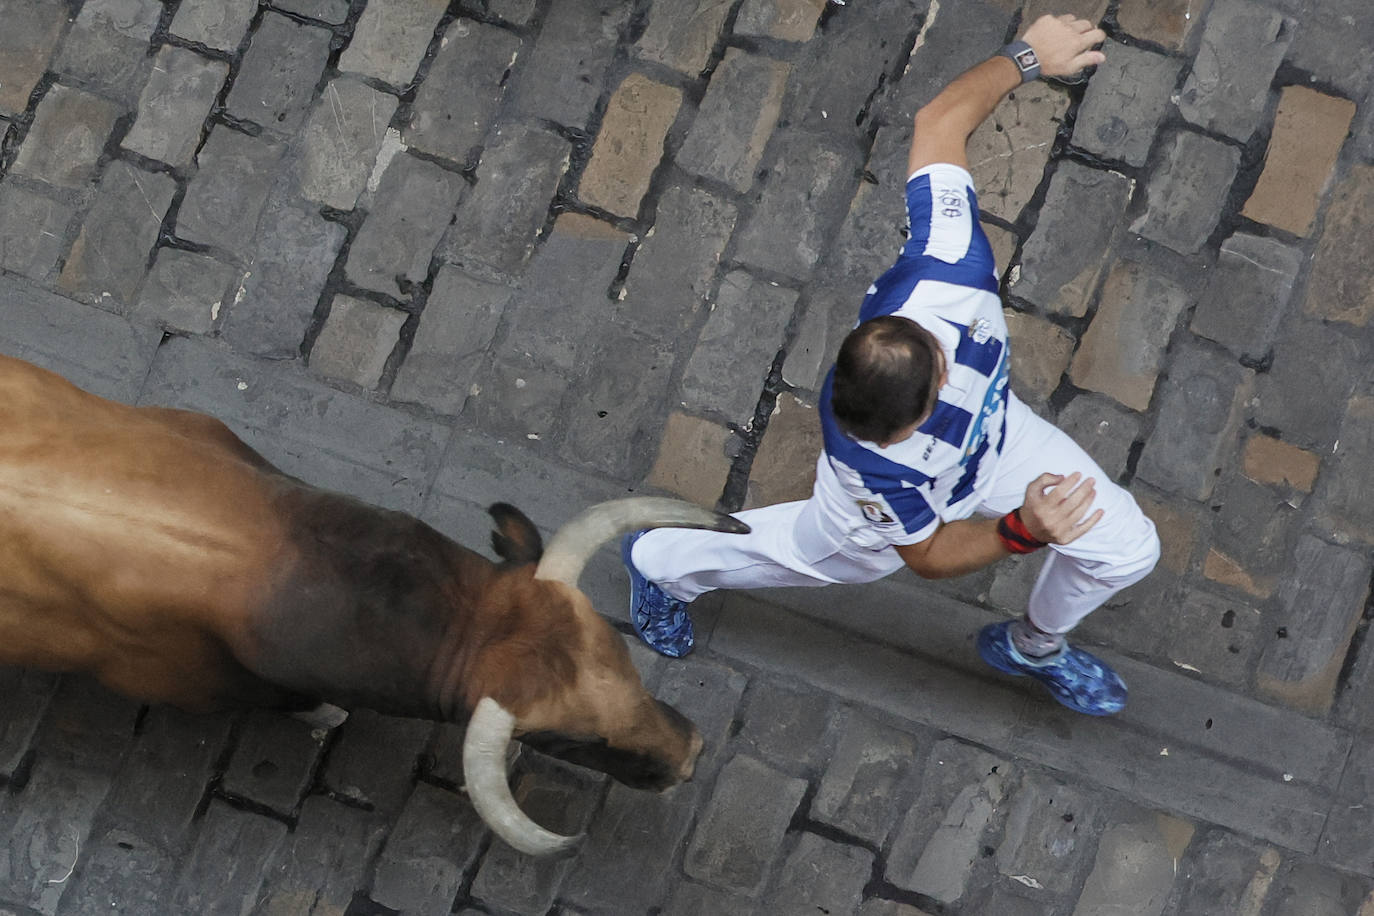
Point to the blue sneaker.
(1079, 680)
(660, 619)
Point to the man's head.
(887, 376)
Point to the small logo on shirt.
(874, 512)
(951, 203)
(980, 331)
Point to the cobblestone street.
(441, 254)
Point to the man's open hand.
(1056, 508)
(1065, 44)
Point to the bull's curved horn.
(577, 540)
(484, 770)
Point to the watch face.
(1026, 59)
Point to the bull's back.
(125, 533)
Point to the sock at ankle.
(1033, 642)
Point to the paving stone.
(356, 341)
(1218, 873)
(74, 122)
(109, 257)
(784, 727)
(1187, 191)
(174, 105)
(708, 693)
(45, 827)
(1247, 294)
(28, 693)
(692, 463)
(86, 725)
(275, 302)
(308, 430)
(940, 838)
(743, 332)
(33, 231)
(1303, 395)
(1341, 287)
(946, 47)
(1195, 429)
(1327, 43)
(560, 79)
(494, 232)
(1177, 524)
(1122, 351)
(216, 25)
(1309, 131)
(1320, 599)
(688, 899)
(342, 139)
(120, 872)
(735, 119)
(1254, 527)
(391, 38)
(784, 467)
(808, 182)
(455, 330)
(820, 876)
(1167, 23)
(276, 80)
(184, 291)
(107, 44)
(860, 791)
(518, 398)
(1040, 354)
(1008, 152)
(1091, 10)
(673, 273)
(160, 785)
(1217, 636)
(873, 232)
(563, 303)
(32, 30)
(876, 906)
(1125, 100)
(225, 198)
(434, 841)
(412, 207)
(1311, 890)
(630, 145)
(789, 20)
(225, 869)
(513, 11)
(458, 98)
(1346, 840)
(102, 353)
(1228, 88)
(1273, 461)
(323, 862)
(737, 839)
(273, 762)
(367, 738)
(683, 35)
(1048, 826)
(1135, 866)
(1104, 430)
(558, 797)
(825, 319)
(1064, 257)
(331, 11)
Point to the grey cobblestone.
(560, 76)
(1311, 890)
(365, 738)
(119, 870)
(1104, 430)
(276, 80)
(174, 104)
(860, 791)
(226, 197)
(73, 121)
(218, 25)
(225, 869)
(736, 118)
(1135, 867)
(820, 875)
(184, 291)
(32, 30)
(342, 139)
(28, 693)
(1124, 103)
(1340, 504)
(331, 11)
(434, 841)
(1008, 152)
(1186, 191)
(1216, 875)
(789, 20)
(273, 762)
(1228, 88)
(459, 97)
(606, 429)
(1049, 826)
(783, 727)
(1305, 391)
(1247, 294)
(106, 43)
(321, 864)
(356, 341)
(33, 229)
(683, 35)
(390, 39)
(109, 258)
(45, 828)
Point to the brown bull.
(154, 550)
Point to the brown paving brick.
(1165, 22)
(1177, 529)
(1008, 152)
(785, 467)
(630, 145)
(1271, 460)
(790, 20)
(1309, 131)
(691, 459)
(1003, 244)
(356, 341)
(1222, 569)
(1040, 352)
(1341, 287)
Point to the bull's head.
(605, 720)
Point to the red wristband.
(1014, 534)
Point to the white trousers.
(808, 543)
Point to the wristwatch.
(1023, 55)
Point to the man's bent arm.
(1063, 45)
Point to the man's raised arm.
(1059, 45)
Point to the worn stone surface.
(320, 866)
(174, 105)
(276, 81)
(390, 39)
(106, 42)
(692, 463)
(356, 340)
(225, 199)
(629, 145)
(44, 829)
(1048, 825)
(32, 231)
(224, 873)
(1254, 526)
(1125, 100)
(1273, 461)
(1187, 190)
(735, 119)
(786, 462)
(862, 785)
(789, 20)
(109, 257)
(216, 25)
(1304, 393)
(1104, 430)
(1228, 88)
(561, 76)
(1218, 872)
(185, 291)
(1040, 353)
(820, 875)
(1340, 503)
(1341, 287)
(1123, 350)
(1165, 22)
(1008, 152)
(606, 428)
(273, 762)
(466, 81)
(332, 11)
(32, 30)
(1080, 216)
(1135, 866)
(1247, 294)
(435, 839)
(73, 121)
(683, 35)
(342, 139)
(1309, 131)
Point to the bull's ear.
(515, 539)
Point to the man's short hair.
(885, 378)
